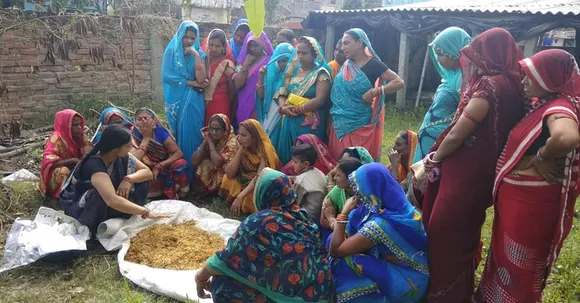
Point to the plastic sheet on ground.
(50, 232)
(177, 284)
(21, 175)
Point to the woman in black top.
(108, 183)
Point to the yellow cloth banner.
(256, 13)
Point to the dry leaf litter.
(180, 246)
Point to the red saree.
(216, 95)
(60, 146)
(532, 217)
(454, 207)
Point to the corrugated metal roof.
(542, 7)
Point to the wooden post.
(577, 43)
(403, 69)
(329, 43)
(530, 46)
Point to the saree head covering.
(454, 208)
(554, 71)
(247, 95)
(171, 177)
(267, 111)
(407, 160)
(60, 146)
(276, 251)
(325, 163)
(265, 148)
(533, 217)
(360, 153)
(262, 148)
(448, 43)
(106, 116)
(237, 49)
(215, 78)
(207, 173)
(228, 53)
(305, 87)
(351, 83)
(184, 107)
(385, 217)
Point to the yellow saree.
(231, 188)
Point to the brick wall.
(35, 85)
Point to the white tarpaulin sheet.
(177, 284)
(50, 232)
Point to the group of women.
(502, 131)
(236, 109)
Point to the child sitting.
(310, 184)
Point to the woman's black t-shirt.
(92, 166)
(374, 69)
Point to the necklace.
(303, 70)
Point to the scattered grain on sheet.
(180, 246)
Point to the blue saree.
(395, 270)
(267, 108)
(349, 112)
(284, 137)
(237, 49)
(106, 115)
(276, 254)
(448, 43)
(184, 107)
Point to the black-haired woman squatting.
(108, 183)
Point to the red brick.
(29, 63)
(9, 39)
(50, 103)
(13, 96)
(65, 85)
(123, 87)
(13, 88)
(28, 115)
(50, 81)
(14, 110)
(53, 68)
(9, 62)
(27, 104)
(22, 70)
(19, 77)
(75, 74)
(29, 51)
(37, 87)
(14, 51)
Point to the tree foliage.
(272, 14)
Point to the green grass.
(94, 277)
